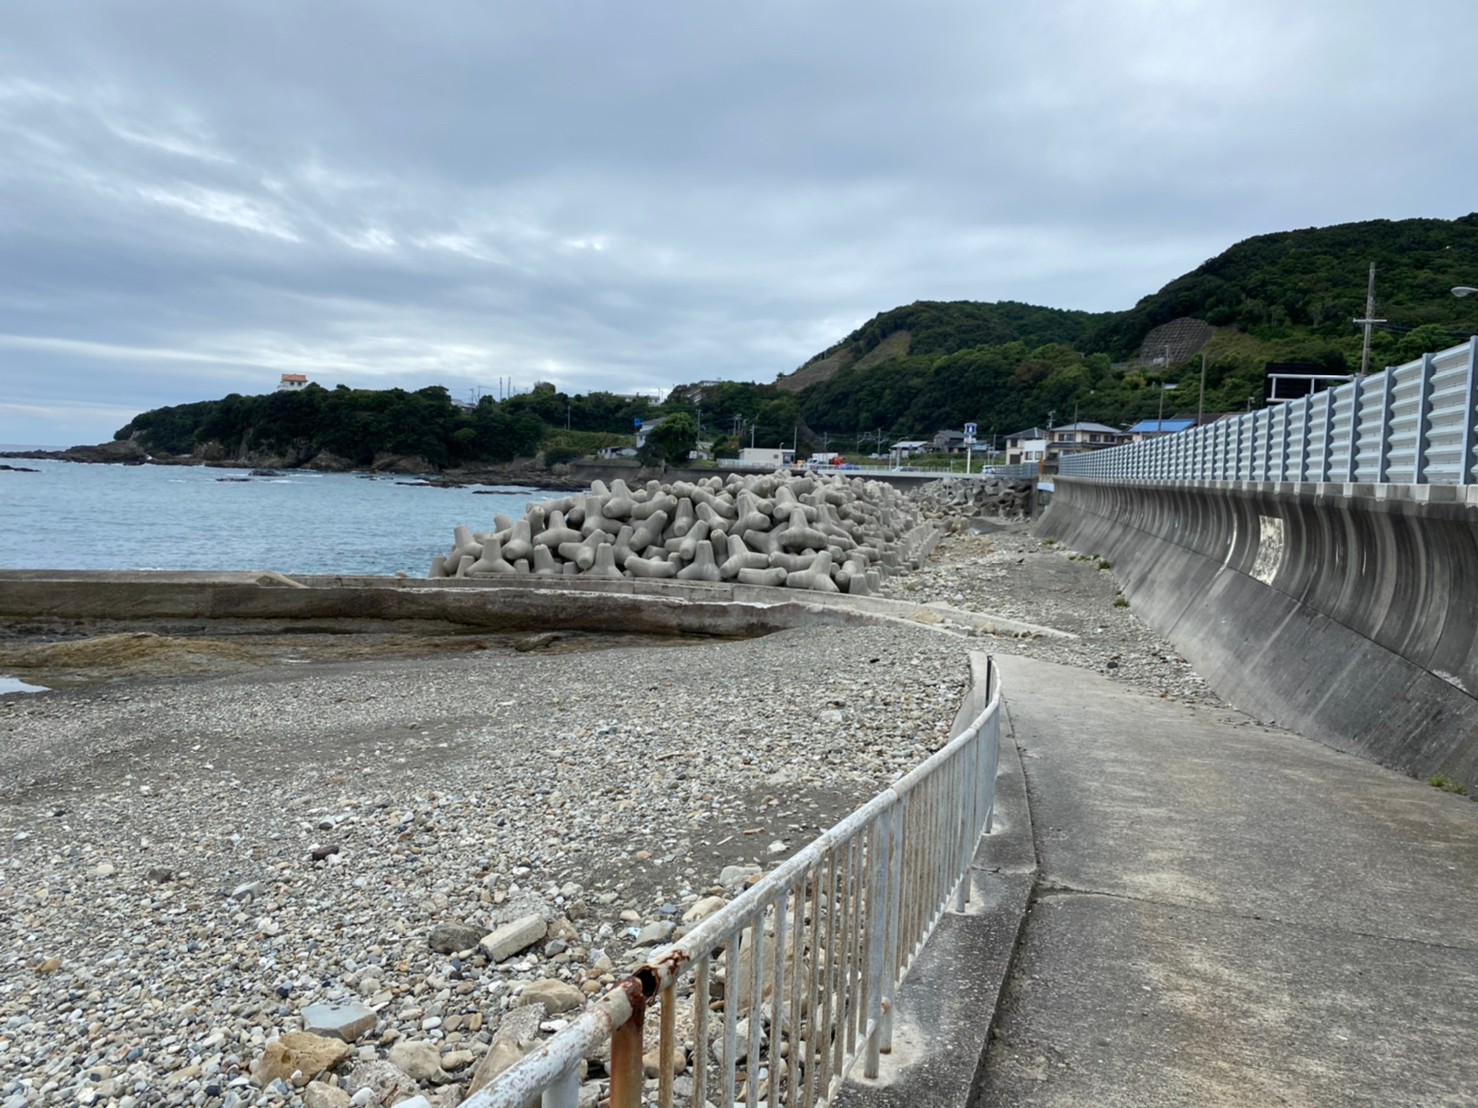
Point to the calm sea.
(75, 516)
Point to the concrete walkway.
(1229, 914)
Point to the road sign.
(969, 433)
(637, 424)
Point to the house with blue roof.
(1154, 428)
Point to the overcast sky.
(198, 197)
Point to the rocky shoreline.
(340, 883)
(523, 474)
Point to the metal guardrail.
(1020, 469)
(774, 997)
(1414, 424)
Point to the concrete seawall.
(1346, 612)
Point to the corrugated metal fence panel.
(1341, 432)
(1292, 427)
(1450, 416)
(1404, 435)
(1372, 422)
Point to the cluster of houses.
(1037, 443)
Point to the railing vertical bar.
(779, 1024)
(700, 1030)
(666, 1044)
(971, 818)
(799, 1013)
(564, 1092)
(849, 950)
(844, 955)
(756, 1001)
(812, 970)
(626, 1065)
(866, 912)
(892, 942)
(877, 922)
(731, 1017)
(942, 852)
(1357, 404)
(828, 1008)
(855, 972)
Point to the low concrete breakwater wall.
(1347, 612)
(513, 604)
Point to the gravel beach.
(192, 864)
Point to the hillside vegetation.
(911, 371)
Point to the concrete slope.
(1230, 914)
(1347, 612)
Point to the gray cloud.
(196, 198)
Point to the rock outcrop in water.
(829, 534)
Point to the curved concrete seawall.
(1347, 612)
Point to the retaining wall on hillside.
(1346, 612)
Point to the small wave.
(16, 685)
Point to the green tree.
(671, 441)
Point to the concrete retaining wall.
(514, 603)
(1346, 612)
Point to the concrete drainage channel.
(941, 1014)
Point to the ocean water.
(75, 516)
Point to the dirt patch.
(134, 653)
(79, 658)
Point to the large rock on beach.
(512, 937)
(346, 1020)
(418, 1060)
(453, 936)
(298, 1052)
(556, 996)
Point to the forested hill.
(1289, 296)
(1314, 281)
(942, 327)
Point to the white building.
(292, 382)
(766, 456)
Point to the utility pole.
(1368, 322)
(1201, 404)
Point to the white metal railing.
(1414, 424)
(1019, 469)
(771, 999)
